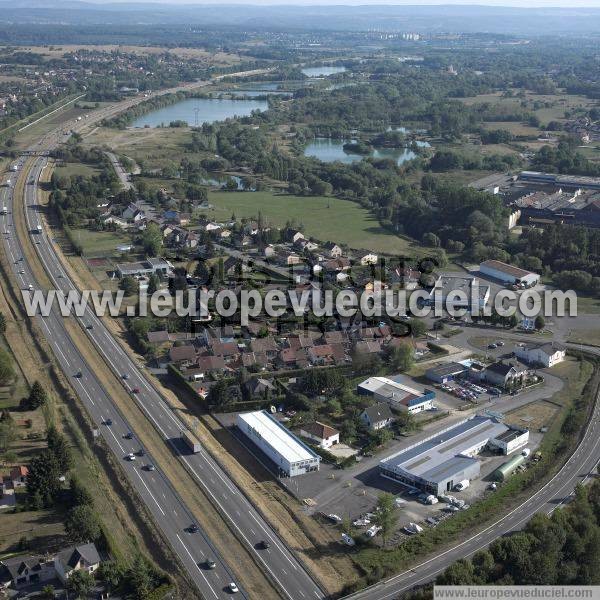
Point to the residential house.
(320, 355)
(377, 416)
(503, 374)
(332, 250)
(21, 571)
(260, 387)
(266, 346)
(324, 435)
(546, 355)
(211, 364)
(183, 355)
(294, 236)
(251, 228)
(368, 259)
(84, 557)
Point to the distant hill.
(423, 19)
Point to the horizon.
(374, 3)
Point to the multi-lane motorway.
(167, 508)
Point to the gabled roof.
(71, 556)
(319, 430)
(378, 412)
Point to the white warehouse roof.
(285, 443)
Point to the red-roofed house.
(324, 435)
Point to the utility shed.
(290, 455)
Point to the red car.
(135, 391)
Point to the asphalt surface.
(154, 488)
(167, 508)
(578, 469)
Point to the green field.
(70, 169)
(325, 219)
(100, 243)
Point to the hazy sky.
(515, 3)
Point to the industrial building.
(460, 292)
(508, 273)
(436, 464)
(396, 394)
(149, 266)
(289, 454)
(445, 372)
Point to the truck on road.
(191, 441)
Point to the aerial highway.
(169, 511)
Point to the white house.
(324, 435)
(332, 250)
(377, 416)
(548, 354)
(368, 259)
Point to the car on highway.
(233, 588)
(210, 564)
(125, 375)
(21, 271)
(193, 528)
(89, 327)
(108, 422)
(140, 452)
(79, 375)
(150, 467)
(128, 435)
(135, 390)
(492, 346)
(265, 545)
(130, 457)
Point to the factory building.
(508, 273)
(459, 292)
(436, 464)
(396, 394)
(290, 456)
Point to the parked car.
(373, 531)
(335, 518)
(348, 540)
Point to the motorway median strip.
(244, 563)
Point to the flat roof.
(449, 368)
(436, 458)
(456, 283)
(283, 441)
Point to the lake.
(328, 150)
(323, 71)
(209, 111)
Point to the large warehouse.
(290, 455)
(508, 274)
(436, 464)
